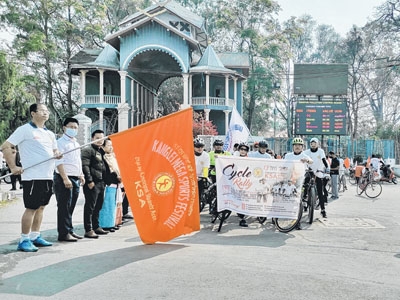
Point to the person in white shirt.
(67, 180)
(317, 166)
(375, 163)
(38, 148)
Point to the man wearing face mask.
(67, 180)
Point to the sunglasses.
(243, 149)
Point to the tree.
(14, 100)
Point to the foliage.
(170, 96)
(203, 127)
(14, 100)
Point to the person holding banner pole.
(68, 178)
(36, 144)
(243, 152)
(213, 155)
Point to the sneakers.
(323, 213)
(27, 246)
(40, 242)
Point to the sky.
(341, 14)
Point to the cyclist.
(262, 151)
(202, 160)
(319, 161)
(298, 154)
(218, 144)
(243, 151)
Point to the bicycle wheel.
(203, 201)
(312, 195)
(373, 189)
(261, 220)
(329, 186)
(7, 179)
(286, 225)
(352, 179)
(213, 210)
(343, 183)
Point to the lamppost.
(276, 86)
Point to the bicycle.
(371, 187)
(5, 173)
(352, 176)
(211, 198)
(203, 197)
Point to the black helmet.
(198, 142)
(263, 144)
(218, 142)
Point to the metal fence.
(344, 146)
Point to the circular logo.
(258, 172)
(163, 183)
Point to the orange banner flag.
(158, 171)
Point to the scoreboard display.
(320, 117)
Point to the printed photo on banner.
(259, 187)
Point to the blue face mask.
(71, 132)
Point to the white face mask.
(71, 132)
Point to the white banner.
(259, 187)
(237, 133)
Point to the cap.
(314, 140)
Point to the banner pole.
(46, 160)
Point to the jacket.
(93, 165)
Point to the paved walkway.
(354, 254)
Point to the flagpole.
(66, 152)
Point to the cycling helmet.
(263, 144)
(297, 141)
(218, 142)
(198, 142)
(244, 145)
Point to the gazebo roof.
(210, 63)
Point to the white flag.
(238, 131)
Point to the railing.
(212, 101)
(108, 99)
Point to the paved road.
(354, 254)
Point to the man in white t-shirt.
(37, 147)
(318, 166)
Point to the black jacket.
(93, 165)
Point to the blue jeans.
(66, 201)
(334, 182)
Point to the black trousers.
(320, 191)
(66, 202)
(94, 199)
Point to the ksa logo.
(163, 184)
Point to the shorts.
(37, 193)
